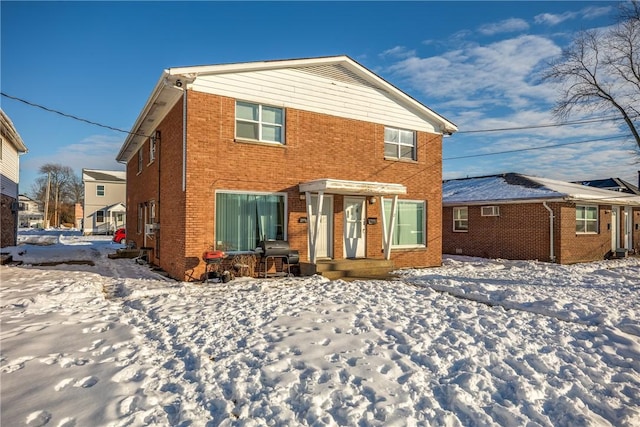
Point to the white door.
(615, 228)
(325, 235)
(628, 228)
(354, 227)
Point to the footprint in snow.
(38, 418)
(63, 384)
(86, 382)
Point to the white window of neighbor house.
(586, 219)
(259, 122)
(410, 225)
(399, 144)
(100, 190)
(461, 219)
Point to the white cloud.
(506, 26)
(497, 74)
(93, 152)
(398, 52)
(554, 19)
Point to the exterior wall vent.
(490, 211)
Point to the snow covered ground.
(473, 343)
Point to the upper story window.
(586, 219)
(259, 122)
(152, 149)
(461, 219)
(140, 159)
(100, 190)
(399, 144)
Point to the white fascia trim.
(336, 186)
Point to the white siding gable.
(10, 165)
(330, 90)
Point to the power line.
(533, 148)
(575, 122)
(71, 116)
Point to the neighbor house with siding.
(318, 152)
(104, 201)
(11, 147)
(516, 216)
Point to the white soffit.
(336, 186)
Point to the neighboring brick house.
(224, 156)
(104, 201)
(11, 147)
(514, 216)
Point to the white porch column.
(313, 233)
(387, 232)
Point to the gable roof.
(103, 175)
(518, 188)
(10, 133)
(613, 184)
(169, 90)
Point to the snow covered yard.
(474, 342)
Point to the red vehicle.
(120, 236)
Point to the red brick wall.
(317, 146)
(522, 232)
(8, 218)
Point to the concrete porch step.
(350, 269)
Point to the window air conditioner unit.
(490, 211)
(151, 228)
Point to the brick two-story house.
(225, 156)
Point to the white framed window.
(259, 122)
(461, 219)
(490, 211)
(152, 149)
(399, 144)
(100, 190)
(586, 219)
(411, 223)
(140, 217)
(243, 219)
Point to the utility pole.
(46, 202)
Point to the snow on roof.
(513, 188)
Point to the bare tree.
(600, 70)
(62, 184)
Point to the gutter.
(551, 235)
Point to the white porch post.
(387, 232)
(313, 233)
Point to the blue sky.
(476, 63)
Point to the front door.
(354, 227)
(325, 234)
(615, 228)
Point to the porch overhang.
(365, 188)
(350, 188)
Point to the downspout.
(551, 236)
(184, 140)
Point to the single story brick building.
(514, 216)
